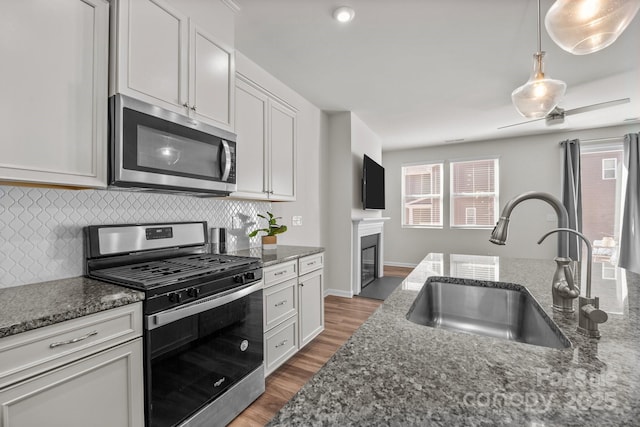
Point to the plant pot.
(269, 243)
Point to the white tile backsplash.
(41, 229)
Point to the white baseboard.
(338, 293)
(400, 264)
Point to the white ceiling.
(424, 72)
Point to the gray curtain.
(571, 195)
(629, 257)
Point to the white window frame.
(496, 193)
(609, 272)
(439, 195)
(606, 169)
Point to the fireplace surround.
(363, 227)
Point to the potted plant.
(270, 240)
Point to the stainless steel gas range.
(203, 331)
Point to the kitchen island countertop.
(395, 372)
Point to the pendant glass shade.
(586, 26)
(539, 95)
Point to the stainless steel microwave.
(153, 149)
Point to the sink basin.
(493, 309)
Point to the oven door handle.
(160, 319)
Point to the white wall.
(526, 163)
(338, 205)
(363, 141)
(348, 139)
(308, 177)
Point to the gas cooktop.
(147, 275)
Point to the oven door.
(196, 352)
(156, 148)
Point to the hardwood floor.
(342, 316)
(397, 271)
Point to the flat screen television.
(372, 184)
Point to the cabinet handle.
(193, 108)
(281, 343)
(301, 284)
(74, 340)
(185, 105)
(309, 264)
(280, 273)
(278, 304)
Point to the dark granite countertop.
(395, 372)
(41, 304)
(281, 254)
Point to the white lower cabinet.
(311, 311)
(293, 307)
(99, 391)
(82, 372)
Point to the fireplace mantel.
(365, 227)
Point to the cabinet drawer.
(32, 352)
(279, 303)
(280, 344)
(280, 272)
(311, 263)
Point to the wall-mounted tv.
(372, 184)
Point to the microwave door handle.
(225, 161)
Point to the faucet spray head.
(499, 233)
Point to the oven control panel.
(185, 294)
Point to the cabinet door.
(53, 77)
(152, 49)
(103, 390)
(282, 138)
(251, 120)
(212, 72)
(311, 306)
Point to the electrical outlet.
(296, 220)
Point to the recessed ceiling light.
(343, 14)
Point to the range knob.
(250, 275)
(238, 279)
(193, 292)
(175, 297)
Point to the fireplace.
(367, 252)
(369, 259)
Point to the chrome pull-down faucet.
(499, 233)
(589, 313)
(563, 295)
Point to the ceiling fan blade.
(597, 106)
(522, 123)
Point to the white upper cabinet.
(53, 80)
(266, 145)
(251, 148)
(283, 151)
(161, 56)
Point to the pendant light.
(585, 26)
(540, 94)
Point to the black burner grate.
(161, 272)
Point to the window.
(601, 198)
(609, 167)
(422, 195)
(474, 193)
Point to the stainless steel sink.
(493, 309)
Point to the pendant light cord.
(539, 36)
